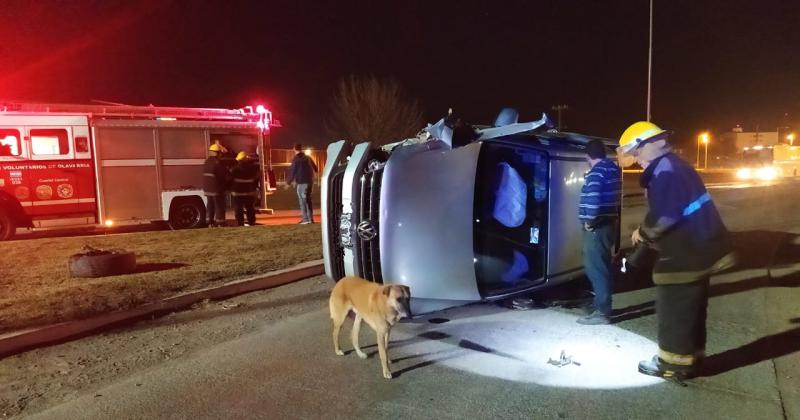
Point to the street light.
(790, 137)
(702, 138)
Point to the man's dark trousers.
(215, 208)
(244, 204)
(597, 245)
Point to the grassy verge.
(36, 287)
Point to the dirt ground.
(35, 380)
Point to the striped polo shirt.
(600, 194)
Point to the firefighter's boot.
(661, 369)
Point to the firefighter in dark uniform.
(216, 177)
(244, 190)
(684, 227)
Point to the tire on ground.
(8, 226)
(101, 264)
(187, 213)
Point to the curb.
(20, 341)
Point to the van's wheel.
(7, 226)
(187, 213)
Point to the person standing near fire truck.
(215, 184)
(684, 227)
(244, 190)
(302, 174)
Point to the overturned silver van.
(482, 220)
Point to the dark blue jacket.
(302, 169)
(682, 222)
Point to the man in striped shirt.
(599, 213)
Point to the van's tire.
(8, 226)
(187, 213)
(101, 264)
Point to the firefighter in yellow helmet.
(215, 184)
(245, 187)
(684, 227)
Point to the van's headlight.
(767, 173)
(744, 173)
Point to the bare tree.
(373, 109)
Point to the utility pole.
(650, 61)
(559, 108)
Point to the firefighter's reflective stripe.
(208, 174)
(696, 204)
(677, 359)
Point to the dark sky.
(716, 63)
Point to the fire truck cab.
(77, 165)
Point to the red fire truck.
(64, 165)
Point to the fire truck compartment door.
(128, 177)
(59, 184)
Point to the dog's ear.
(387, 290)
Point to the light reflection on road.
(517, 345)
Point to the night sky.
(716, 63)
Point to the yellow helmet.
(216, 147)
(241, 156)
(636, 134)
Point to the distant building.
(741, 139)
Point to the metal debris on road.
(563, 360)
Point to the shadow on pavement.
(764, 348)
(756, 249)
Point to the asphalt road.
(483, 361)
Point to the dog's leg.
(337, 326)
(382, 340)
(337, 316)
(386, 346)
(354, 336)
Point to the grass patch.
(36, 287)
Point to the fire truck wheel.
(187, 213)
(7, 226)
(102, 263)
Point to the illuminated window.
(50, 141)
(9, 142)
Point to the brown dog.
(381, 306)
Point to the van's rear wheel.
(8, 227)
(187, 213)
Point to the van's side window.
(9, 142)
(51, 141)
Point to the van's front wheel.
(187, 213)
(8, 227)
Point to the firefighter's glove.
(636, 236)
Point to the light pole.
(702, 138)
(650, 61)
(559, 108)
